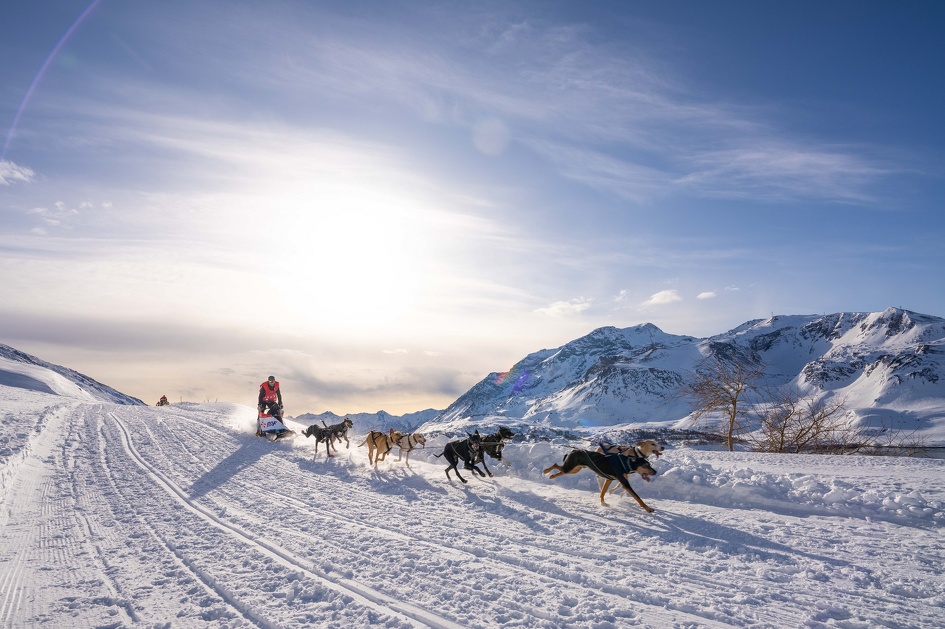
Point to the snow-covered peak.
(21, 370)
(888, 366)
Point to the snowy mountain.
(364, 422)
(888, 367)
(22, 370)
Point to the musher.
(270, 398)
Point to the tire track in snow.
(12, 591)
(505, 562)
(115, 591)
(202, 576)
(47, 508)
(514, 562)
(108, 532)
(362, 594)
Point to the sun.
(354, 264)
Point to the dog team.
(610, 462)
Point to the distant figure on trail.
(270, 398)
(163, 401)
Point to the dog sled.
(270, 427)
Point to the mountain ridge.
(888, 366)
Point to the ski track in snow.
(362, 595)
(116, 516)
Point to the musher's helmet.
(272, 379)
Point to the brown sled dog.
(609, 466)
(379, 444)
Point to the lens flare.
(517, 384)
(42, 72)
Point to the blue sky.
(382, 202)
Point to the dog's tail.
(440, 454)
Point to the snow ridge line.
(362, 594)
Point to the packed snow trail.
(179, 516)
(362, 595)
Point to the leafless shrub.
(723, 387)
(791, 422)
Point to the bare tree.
(776, 416)
(792, 422)
(724, 386)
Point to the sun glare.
(350, 263)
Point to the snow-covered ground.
(121, 516)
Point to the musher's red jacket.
(267, 394)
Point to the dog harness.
(412, 442)
(387, 440)
(625, 463)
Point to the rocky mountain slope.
(888, 367)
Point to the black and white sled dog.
(643, 449)
(493, 445)
(615, 467)
(466, 450)
(339, 431)
(321, 434)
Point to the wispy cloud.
(662, 298)
(783, 171)
(566, 308)
(709, 294)
(625, 179)
(11, 173)
(614, 118)
(57, 216)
